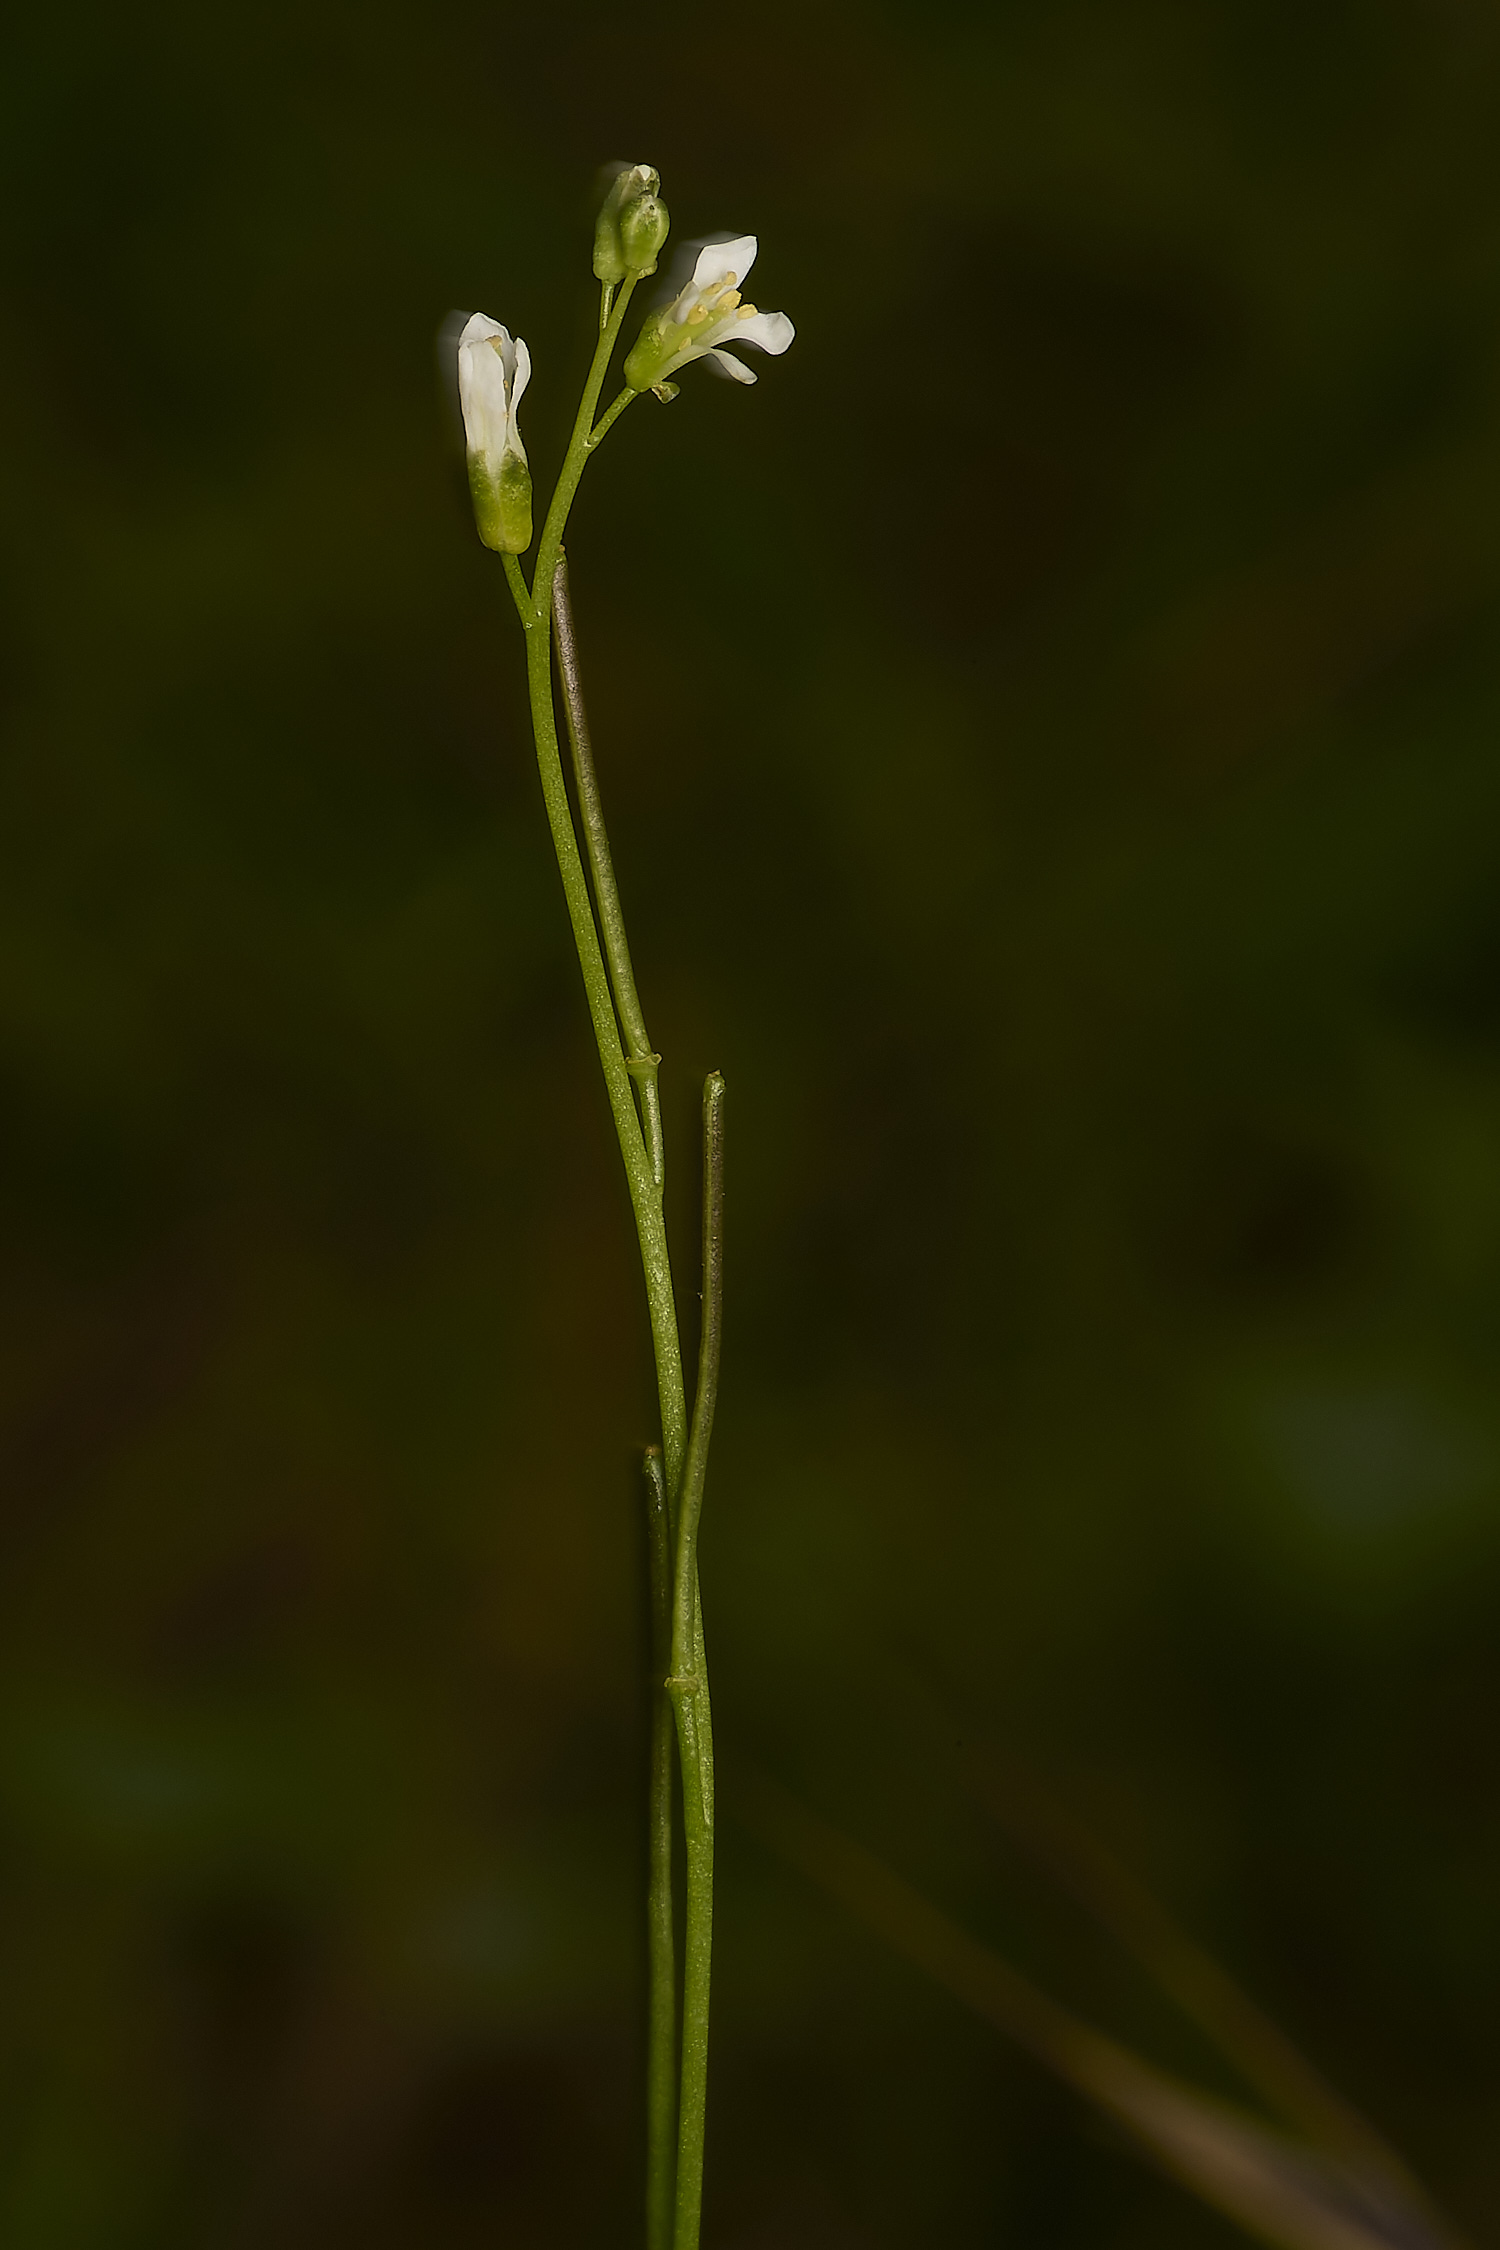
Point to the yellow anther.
(699, 312)
(728, 299)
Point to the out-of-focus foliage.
(1049, 730)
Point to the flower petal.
(521, 368)
(477, 327)
(727, 362)
(771, 331)
(520, 376)
(484, 384)
(725, 261)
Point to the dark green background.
(1049, 729)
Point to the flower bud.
(493, 371)
(643, 229)
(630, 184)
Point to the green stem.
(661, 1945)
(640, 1059)
(645, 1196)
(695, 1749)
(705, 1396)
(608, 419)
(520, 591)
(534, 607)
(575, 460)
(688, 1686)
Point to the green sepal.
(502, 505)
(644, 226)
(609, 257)
(650, 355)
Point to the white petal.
(725, 261)
(521, 372)
(484, 384)
(772, 331)
(520, 376)
(480, 325)
(731, 365)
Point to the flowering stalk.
(493, 370)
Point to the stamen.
(746, 312)
(699, 312)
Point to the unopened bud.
(630, 184)
(644, 226)
(493, 371)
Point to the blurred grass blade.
(1190, 1976)
(1283, 2193)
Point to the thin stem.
(661, 1947)
(640, 1059)
(645, 1199)
(576, 458)
(611, 415)
(695, 1747)
(520, 591)
(705, 1396)
(688, 1686)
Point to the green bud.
(629, 185)
(609, 257)
(643, 229)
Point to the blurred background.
(1049, 737)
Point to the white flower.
(705, 316)
(492, 373)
